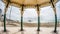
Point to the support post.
(38, 12)
(54, 8)
(55, 30)
(22, 8)
(7, 4)
(5, 17)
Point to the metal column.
(38, 12)
(22, 8)
(54, 8)
(5, 17)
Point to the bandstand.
(30, 3)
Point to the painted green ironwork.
(38, 23)
(22, 17)
(21, 23)
(55, 23)
(55, 30)
(5, 16)
(4, 22)
(38, 17)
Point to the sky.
(46, 13)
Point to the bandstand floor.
(30, 30)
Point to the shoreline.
(17, 24)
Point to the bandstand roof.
(29, 3)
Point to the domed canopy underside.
(30, 3)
